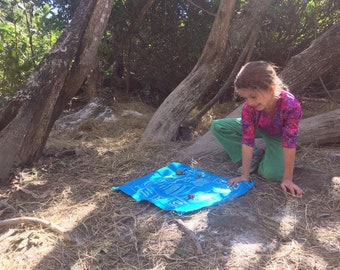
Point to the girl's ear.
(273, 89)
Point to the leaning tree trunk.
(320, 129)
(26, 120)
(317, 130)
(86, 57)
(174, 110)
(322, 56)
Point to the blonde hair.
(259, 75)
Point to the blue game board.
(181, 188)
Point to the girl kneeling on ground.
(270, 112)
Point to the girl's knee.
(217, 127)
(270, 174)
(224, 123)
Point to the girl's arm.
(287, 180)
(247, 155)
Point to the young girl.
(271, 113)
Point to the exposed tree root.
(24, 220)
(192, 236)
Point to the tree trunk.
(244, 24)
(92, 81)
(206, 145)
(174, 110)
(320, 129)
(320, 57)
(26, 120)
(242, 59)
(166, 120)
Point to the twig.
(37, 196)
(326, 90)
(315, 99)
(8, 234)
(206, 11)
(55, 228)
(192, 236)
(6, 205)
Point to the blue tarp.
(181, 188)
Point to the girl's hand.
(234, 181)
(295, 190)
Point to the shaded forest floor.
(71, 186)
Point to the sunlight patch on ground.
(336, 186)
(287, 224)
(329, 237)
(245, 251)
(162, 242)
(67, 215)
(19, 247)
(198, 223)
(288, 220)
(293, 255)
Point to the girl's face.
(260, 100)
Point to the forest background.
(152, 55)
(148, 48)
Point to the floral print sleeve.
(291, 115)
(249, 116)
(283, 122)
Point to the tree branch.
(244, 57)
(206, 11)
(24, 220)
(327, 92)
(192, 236)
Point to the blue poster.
(182, 188)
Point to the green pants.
(228, 131)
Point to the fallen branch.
(5, 205)
(55, 228)
(192, 236)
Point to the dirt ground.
(71, 187)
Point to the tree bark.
(243, 58)
(166, 120)
(174, 110)
(321, 129)
(26, 120)
(206, 145)
(317, 130)
(86, 55)
(92, 81)
(320, 57)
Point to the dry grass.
(71, 186)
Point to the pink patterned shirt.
(282, 122)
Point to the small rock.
(335, 157)
(179, 172)
(199, 175)
(191, 196)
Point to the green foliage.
(165, 45)
(291, 25)
(61, 11)
(159, 50)
(26, 37)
